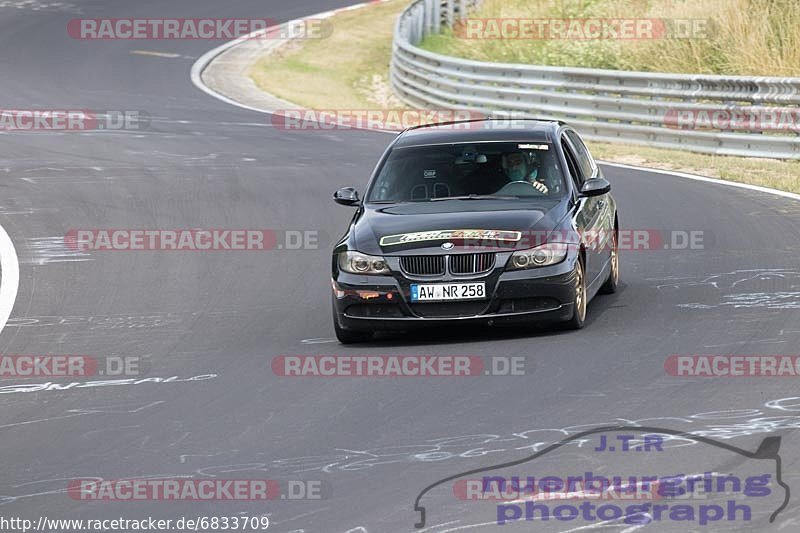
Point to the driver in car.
(519, 166)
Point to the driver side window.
(572, 163)
(581, 154)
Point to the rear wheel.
(610, 286)
(349, 336)
(580, 302)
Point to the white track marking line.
(9, 277)
(154, 53)
(716, 181)
(203, 61)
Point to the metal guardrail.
(642, 108)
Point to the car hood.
(421, 228)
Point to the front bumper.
(369, 303)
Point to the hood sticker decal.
(450, 235)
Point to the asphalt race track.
(215, 320)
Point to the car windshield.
(476, 171)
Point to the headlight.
(358, 263)
(544, 255)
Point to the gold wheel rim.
(580, 296)
(615, 259)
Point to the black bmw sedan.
(489, 222)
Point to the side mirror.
(595, 187)
(346, 196)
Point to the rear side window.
(582, 156)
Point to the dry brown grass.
(343, 71)
(743, 37)
(773, 173)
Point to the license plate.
(442, 292)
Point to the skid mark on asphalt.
(120, 321)
(45, 250)
(78, 180)
(745, 342)
(36, 5)
(786, 281)
(755, 300)
(722, 425)
(730, 279)
(148, 321)
(76, 175)
(14, 206)
(116, 409)
(61, 485)
(19, 388)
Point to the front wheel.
(611, 284)
(578, 318)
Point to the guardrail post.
(449, 13)
(428, 16)
(462, 9)
(420, 24)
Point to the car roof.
(481, 130)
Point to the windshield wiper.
(475, 197)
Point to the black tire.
(611, 284)
(349, 336)
(580, 303)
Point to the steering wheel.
(522, 188)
